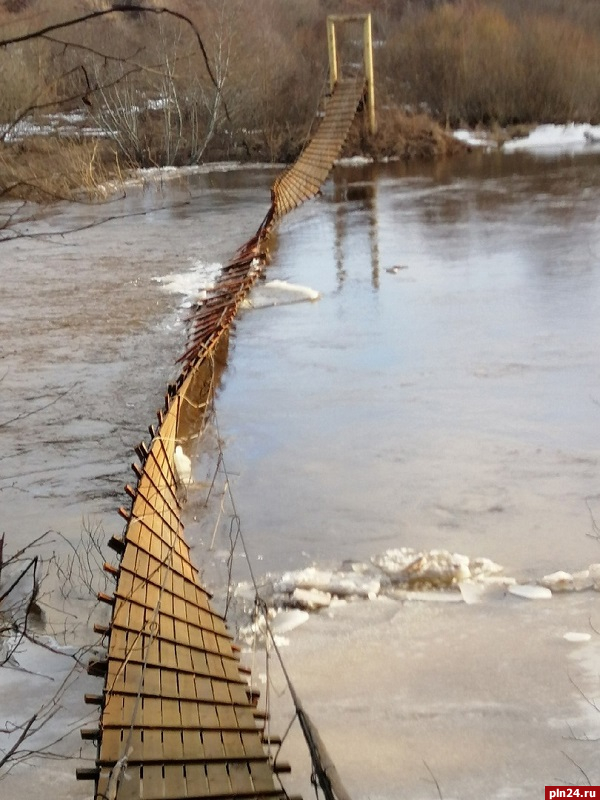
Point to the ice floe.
(331, 582)
(566, 582)
(311, 599)
(183, 466)
(432, 569)
(545, 139)
(576, 637)
(530, 591)
(286, 621)
(193, 284)
(277, 293)
(397, 575)
(276, 623)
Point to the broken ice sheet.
(340, 584)
(530, 592)
(286, 621)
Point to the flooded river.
(453, 402)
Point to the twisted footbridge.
(178, 718)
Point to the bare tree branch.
(64, 100)
(171, 9)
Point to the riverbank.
(46, 167)
(40, 163)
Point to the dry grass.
(48, 168)
(405, 136)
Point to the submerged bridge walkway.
(178, 718)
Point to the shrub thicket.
(497, 61)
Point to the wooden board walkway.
(309, 172)
(178, 719)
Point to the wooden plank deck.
(177, 718)
(309, 172)
(176, 707)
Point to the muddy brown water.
(451, 403)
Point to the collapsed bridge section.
(178, 719)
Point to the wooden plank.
(233, 745)
(169, 714)
(174, 745)
(153, 679)
(191, 714)
(111, 746)
(262, 777)
(208, 717)
(129, 784)
(153, 784)
(193, 745)
(174, 782)
(221, 693)
(169, 683)
(213, 745)
(218, 779)
(152, 746)
(227, 716)
(252, 745)
(241, 779)
(197, 781)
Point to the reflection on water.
(348, 195)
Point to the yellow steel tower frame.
(332, 19)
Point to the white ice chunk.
(471, 591)
(582, 580)
(474, 138)
(393, 562)
(286, 621)
(311, 599)
(435, 567)
(484, 567)
(594, 572)
(553, 138)
(183, 466)
(192, 283)
(575, 636)
(341, 584)
(559, 581)
(277, 293)
(530, 592)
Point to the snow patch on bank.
(551, 139)
(475, 138)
